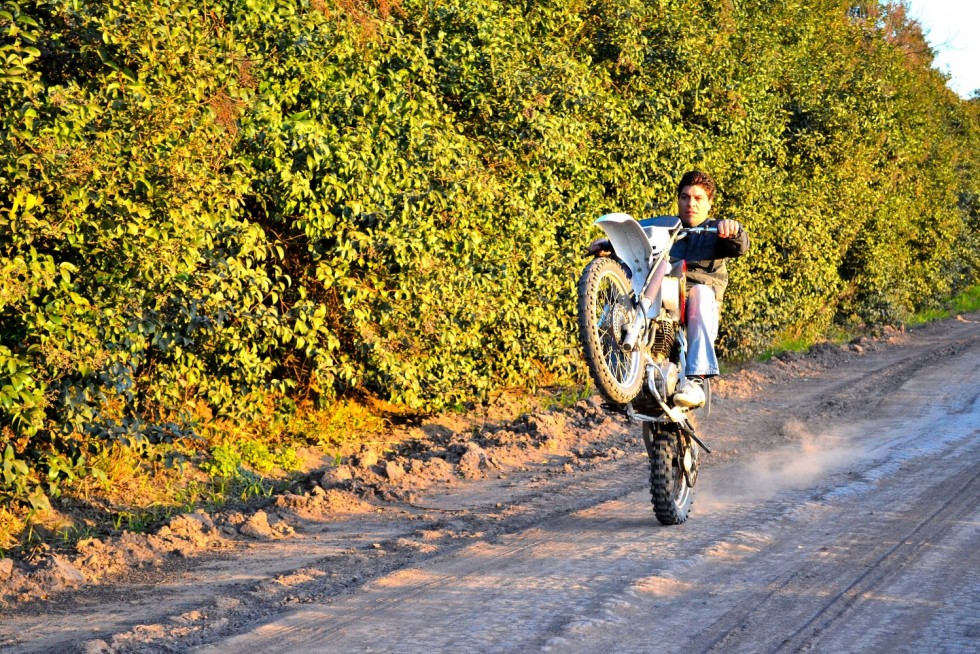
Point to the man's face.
(693, 205)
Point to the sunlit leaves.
(203, 205)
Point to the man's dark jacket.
(706, 254)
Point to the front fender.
(630, 244)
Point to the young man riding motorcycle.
(707, 278)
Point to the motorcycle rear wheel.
(670, 492)
(604, 312)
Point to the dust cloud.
(767, 473)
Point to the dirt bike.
(632, 326)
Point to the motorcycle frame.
(646, 255)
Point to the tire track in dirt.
(880, 382)
(889, 548)
(543, 578)
(525, 510)
(893, 562)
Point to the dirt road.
(840, 511)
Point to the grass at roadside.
(119, 488)
(104, 488)
(965, 302)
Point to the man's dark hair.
(698, 178)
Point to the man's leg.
(702, 329)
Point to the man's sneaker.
(690, 394)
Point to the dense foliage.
(219, 209)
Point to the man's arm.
(733, 241)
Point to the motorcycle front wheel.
(604, 313)
(670, 492)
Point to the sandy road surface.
(841, 512)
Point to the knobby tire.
(669, 492)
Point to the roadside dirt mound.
(442, 451)
(95, 559)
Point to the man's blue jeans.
(702, 330)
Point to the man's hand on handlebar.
(599, 246)
(728, 228)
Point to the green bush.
(215, 205)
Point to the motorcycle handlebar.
(602, 247)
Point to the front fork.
(636, 329)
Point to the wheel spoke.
(611, 299)
(603, 320)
